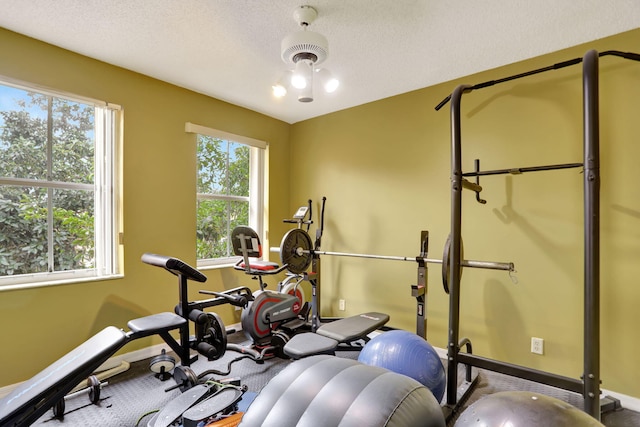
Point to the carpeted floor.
(130, 398)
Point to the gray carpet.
(131, 397)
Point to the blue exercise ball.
(408, 354)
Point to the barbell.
(296, 252)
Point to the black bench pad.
(155, 323)
(354, 327)
(308, 343)
(329, 335)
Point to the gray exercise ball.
(330, 391)
(523, 409)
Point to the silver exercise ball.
(330, 391)
(523, 409)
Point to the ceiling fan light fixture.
(328, 81)
(303, 74)
(281, 87)
(306, 94)
(305, 50)
(279, 91)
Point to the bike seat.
(246, 243)
(258, 265)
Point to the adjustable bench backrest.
(31, 399)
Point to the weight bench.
(329, 336)
(32, 398)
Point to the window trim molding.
(259, 180)
(215, 133)
(44, 90)
(114, 258)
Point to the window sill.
(216, 266)
(47, 283)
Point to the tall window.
(230, 170)
(58, 192)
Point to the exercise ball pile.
(523, 409)
(406, 353)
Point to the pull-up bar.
(628, 55)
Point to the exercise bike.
(298, 252)
(270, 318)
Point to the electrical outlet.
(537, 345)
(342, 304)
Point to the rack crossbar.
(542, 377)
(518, 171)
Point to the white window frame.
(257, 187)
(106, 188)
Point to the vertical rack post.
(591, 373)
(454, 248)
(419, 290)
(314, 279)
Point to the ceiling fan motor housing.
(304, 45)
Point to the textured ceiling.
(230, 49)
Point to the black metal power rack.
(589, 385)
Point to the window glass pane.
(23, 135)
(23, 230)
(215, 220)
(73, 141)
(212, 229)
(212, 165)
(238, 169)
(239, 214)
(73, 230)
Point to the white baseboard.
(134, 356)
(113, 362)
(627, 402)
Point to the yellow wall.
(385, 166)
(39, 325)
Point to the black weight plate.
(445, 262)
(184, 377)
(94, 389)
(295, 250)
(217, 334)
(212, 332)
